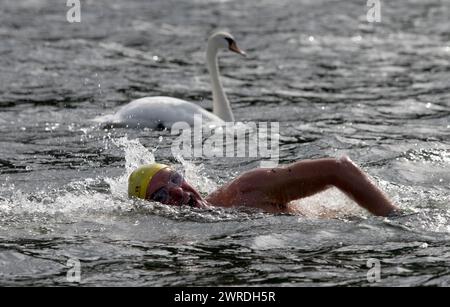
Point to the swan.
(162, 112)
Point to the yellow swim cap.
(140, 179)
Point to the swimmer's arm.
(308, 177)
(302, 179)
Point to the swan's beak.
(233, 47)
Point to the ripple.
(335, 83)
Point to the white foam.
(81, 198)
(329, 204)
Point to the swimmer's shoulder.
(223, 196)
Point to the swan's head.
(224, 40)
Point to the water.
(337, 84)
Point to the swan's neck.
(221, 105)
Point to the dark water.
(337, 84)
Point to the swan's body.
(160, 112)
(163, 112)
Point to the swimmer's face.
(169, 187)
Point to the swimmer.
(271, 190)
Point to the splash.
(329, 204)
(80, 197)
(135, 155)
(195, 175)
(95, 198)
(92, 198)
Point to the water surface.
(337, 84)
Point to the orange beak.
(233, 47)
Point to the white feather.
(160, 111)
